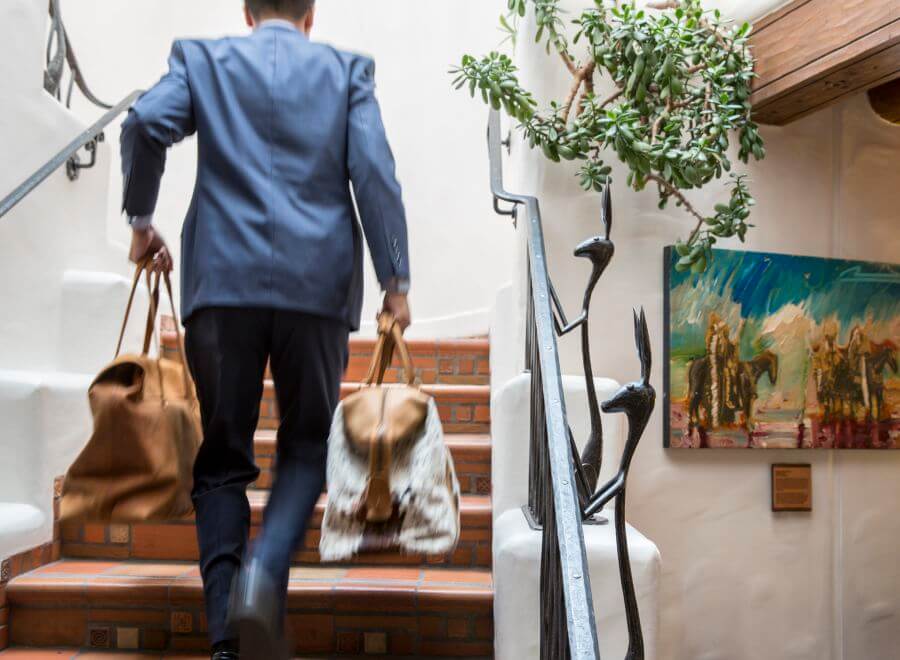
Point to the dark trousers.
(227, 350)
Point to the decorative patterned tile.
(182, 623)
(100, 637)
(119, 534)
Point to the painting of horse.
(770, 351)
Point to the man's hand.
(397, 305)
(148, 243)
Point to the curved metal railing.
(59, 54)
(568, 628)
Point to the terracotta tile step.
(177, 540)
(471, 456)
(23, 653)
(448, 361)
(463, 408)
(400, 612)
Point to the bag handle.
(390, 337)
(140, 269)
(153, 288)
(188, 390)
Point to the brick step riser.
(462, 410)
(177, 541)
(440, 630)
(451, 362)
(473, 467)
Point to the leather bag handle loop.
(152, 310)
(188, 390)
(138, 271)
(390, 337)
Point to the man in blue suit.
(271, 271)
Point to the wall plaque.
(791, 487)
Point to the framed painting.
(771, 351)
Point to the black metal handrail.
(87, 139)
(568, 627)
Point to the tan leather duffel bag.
(137, 465)
(391, 480)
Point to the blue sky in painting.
(762, 283)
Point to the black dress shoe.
(255, 613)
(226, 650)
(225, 655)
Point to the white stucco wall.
(738, 582)
(58, 228)
(459, 255)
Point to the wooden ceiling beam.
(813, 53)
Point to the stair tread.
(475, 510)
(455, 441)
(149, 582)
(441, 391)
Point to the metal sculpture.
(637, 401)
(599, 250)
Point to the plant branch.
(674, 192)
(673, 4)
(570, 65)
(588, 89)
(659, 120)
(582, 75)
(612, 97)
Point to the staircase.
(132, 589)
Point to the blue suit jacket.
(283, 126)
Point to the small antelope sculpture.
(636, 400)
(599, 250)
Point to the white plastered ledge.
(510, 429)
(517, 548)
(21, 527)
(517, 569)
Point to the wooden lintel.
(812, 53)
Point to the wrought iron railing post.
(568, 628)
(562, 484)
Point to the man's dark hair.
(295, 9)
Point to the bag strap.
(390, 337)
(140, 269)
(152, 310)
(188, 390)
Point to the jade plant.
(681, 80)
